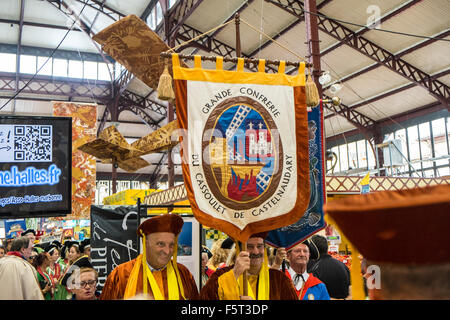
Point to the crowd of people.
(62, 271)
(46, 271)
(232, 270)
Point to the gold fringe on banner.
(165, 89)
(312, 94)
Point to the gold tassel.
(165, 90)
(312, 94)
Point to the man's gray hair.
(20, 243)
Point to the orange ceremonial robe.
(280, 287)
(116, 282)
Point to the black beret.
(28, 231)
(82, 262)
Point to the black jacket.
(334, 274)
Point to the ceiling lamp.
(325, 78)
(335, 87)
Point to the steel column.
(312, 39)
(19, 52)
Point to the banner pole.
(244, 275)
(238, 35)
(138, 220)
(238, 55)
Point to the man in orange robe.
(164, 278)
(263, 283)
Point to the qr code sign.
(33, 143)
(26, 143)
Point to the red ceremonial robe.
(311, 282)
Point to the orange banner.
(84, 120)
(244, 145)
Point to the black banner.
(113, 238)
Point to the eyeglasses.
(91, 283)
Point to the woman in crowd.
(206, 272)
(73, 253)
(219, 256)
(84, 284)
(85, 247)
(64, 252)
(55, 269)
(41, 262)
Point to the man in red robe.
(153, 274)
(263, 283)
(307, 286)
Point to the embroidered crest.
(244, 148)
(239, 152)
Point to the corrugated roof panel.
(358, 11)
(43, 12)
(212, 13)
(74, 41)
(294, 40)
(10, 9)
(336, 125)
(445, 79)
(343, 61)
(128, 7)
(432, 58)
(137, 86)
(409, 99)
(28, 107)
(265, 18)
(370, 84)
(9, 33)
(425, 18)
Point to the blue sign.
(313, 220)
(14, 228)
(365, 189)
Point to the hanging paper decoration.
(313, 219)
(244, 142)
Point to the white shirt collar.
(300, 283)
